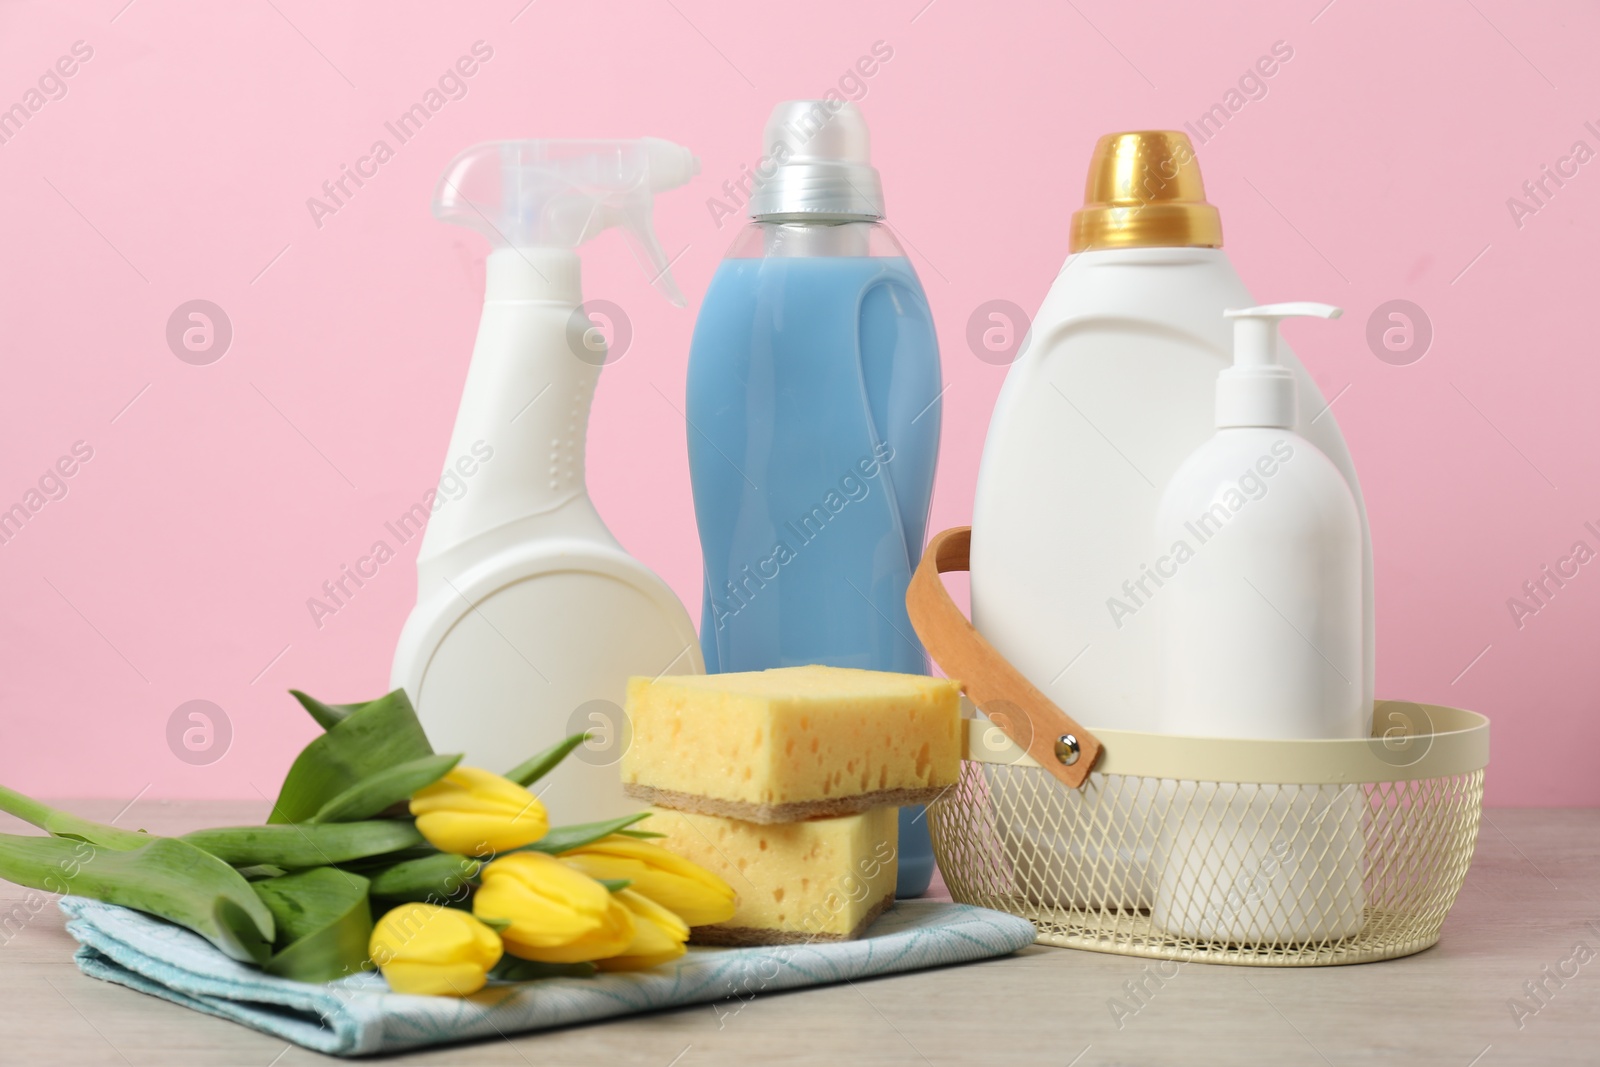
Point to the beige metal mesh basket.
(1280, 853)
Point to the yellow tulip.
(696, 895)
(432, 951)
(472, 812)
(557, 914)
(658, 935)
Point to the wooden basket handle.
(1048, 734)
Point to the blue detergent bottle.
(813, 411)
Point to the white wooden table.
(1532, 896)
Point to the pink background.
(220, 497)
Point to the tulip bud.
(427, 950)
(557, 914)
(696, 895)
(472, 812)
(658, 935)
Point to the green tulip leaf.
(374, 737)
(566, 838)
(324, 924)
(436, 879)
(302, 845)
(387, 787)
(614, 885)
(374, 865)
(164, 876)
(525, 774)
(260, 871)
(642, 835)
(327, 715)
(62, 824)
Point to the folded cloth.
(358, 1015)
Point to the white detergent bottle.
(530, 617)
(1260, 562)
(1114, 389)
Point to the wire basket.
(1264, 853)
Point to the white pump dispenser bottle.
(530, 617)
(1261, 556)
(1262, 637)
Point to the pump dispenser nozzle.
(1256, 390)
(559, 194)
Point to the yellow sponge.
(819, 880)
(791, 743)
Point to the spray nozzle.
(559, 194)
(1256, 391)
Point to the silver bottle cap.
(817, 165)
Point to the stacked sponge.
(786, 783)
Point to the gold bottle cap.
(1144, 191)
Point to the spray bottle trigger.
(648, 252)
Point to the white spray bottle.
(530, 617)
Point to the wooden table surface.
(1532, 896)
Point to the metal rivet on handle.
(1067, 750)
